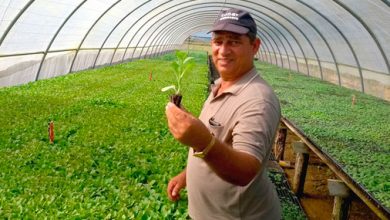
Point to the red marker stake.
(51, 132)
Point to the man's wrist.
(205, 151)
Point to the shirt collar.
(237, 86)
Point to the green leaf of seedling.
(168, 88)
(175, 67)
(180, 66)
(188, 59)
(187, 68)
(181, 55)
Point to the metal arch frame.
(26, 6)
(139, 40)
(295, 57)
(123, 36)
(171, 26)
(168, 26)
(128, 45)
(281, 42)
(156, 40)
(292, 35)
(288, 42)
(343, 36)
(270, 18)
(167, 38)
(179, 36)
(297, 42)
(284, 28)
(160, 20)
(155, 17)
(89, 30)
(13, 22)
(273, 49)
(276, 60)
(163, 37)
(124, 54)
(169, 1)
(297, 28)
(185, 33)
(114, 28)
(55, 36)
(320, 34)
(368, 29)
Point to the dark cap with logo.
(236, 21)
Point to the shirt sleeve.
(255, 128)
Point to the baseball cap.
(236, 21)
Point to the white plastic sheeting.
(341, 41)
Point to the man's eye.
(235, 42)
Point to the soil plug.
(51, 132)
(180, 66)
(176, 99)
(150, 76)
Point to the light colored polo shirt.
(245, 117)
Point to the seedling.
(181, 65)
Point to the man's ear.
(256, 45)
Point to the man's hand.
(236, 167)
(175, 185)
(186, 128)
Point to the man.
(231, 141)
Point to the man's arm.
(233, 166)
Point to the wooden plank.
(302, 161)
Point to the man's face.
(233, 54)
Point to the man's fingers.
(176, 190)
(173, 190)
(173, 111)
(176, 118)
(171, 186)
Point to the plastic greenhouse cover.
(101, 32)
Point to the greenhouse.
(83, 124)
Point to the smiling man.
(231, 141)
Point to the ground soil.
(316, 200)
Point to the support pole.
(301, 163)
(341, 193)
